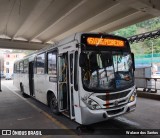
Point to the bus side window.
(52, 64)
(21, 67)
(40, 64)
(76, 71)
(63, 64)
(25, 66)
(15, 68)
(71, 68)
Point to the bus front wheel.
(22, 91)
(53, 104)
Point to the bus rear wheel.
(53, 104)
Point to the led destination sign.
(105, 42)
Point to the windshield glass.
(107, 70)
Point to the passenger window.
(52, 64)
(76, 71)
(18, 68)
(71, 68)
(15, 68)
(25, 66)
(63, 64)
(21, 67)
(40, 63)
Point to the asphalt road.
(31, 114)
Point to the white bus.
(89, 77)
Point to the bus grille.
(113, 112)
(113, 96)
(112, 105)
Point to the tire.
(21, 88)
(53, 104)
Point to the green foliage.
(146, 26)
(150, 24)
(126, 32)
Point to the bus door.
(31, 78)
(63, 87)
(70, 83)
(65, 83)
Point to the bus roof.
(66, 40)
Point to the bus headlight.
(91, 104)
(133, 96)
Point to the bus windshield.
(107, 70)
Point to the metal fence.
(148, 84)
(146, 59)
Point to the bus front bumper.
(92, 116)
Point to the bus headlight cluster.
(91, 104)
(133, 96)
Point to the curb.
(148, 95)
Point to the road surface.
(19, 113)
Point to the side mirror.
(133, 61)
(83, 60)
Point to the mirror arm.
(133, 61)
